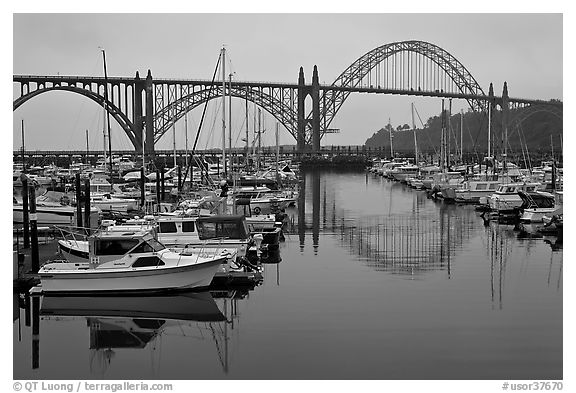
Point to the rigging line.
(202, 118)
(526, 144)
(210, 139)
(454, 135)
(427, 134)
(474, 144)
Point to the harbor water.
(376, 281)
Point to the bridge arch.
(278, 108)
(425, 67)
(524, 113)
(116, 113)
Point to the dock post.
(87, 203)
(78, 201)
(162, 185)
(34, 231)
(35, 332)
(25, 216)
(142, 188)
(158, 189)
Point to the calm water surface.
(376, 282)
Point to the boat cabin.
(109, 245)
(225, 227)
(513, 188)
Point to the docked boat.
(506, 200)
(403, 172)
(107, 202)
(263, 199)
(52, 209)
(128, 261)
(535, 205)
(470, 191)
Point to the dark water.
(376, 282)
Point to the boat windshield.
(150, 245)
(231, 230)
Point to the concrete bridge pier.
(303, 92)
(315, 111)
(149, 117)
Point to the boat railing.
(74, 234)
(201, 252)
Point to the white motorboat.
(401, 173)
(52, 211)
(262, 199)
(506, 198)
(536, 205)
(470, 191)
(130, 261)
(107, 202)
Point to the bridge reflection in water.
(394, 228)
(411, 240)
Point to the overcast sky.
(523, 49)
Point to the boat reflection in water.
(139, 322)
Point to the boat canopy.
(224, 226)
(536, 199)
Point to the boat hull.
(535, 215)
(65, 215)
(134, 279)
(192, 306)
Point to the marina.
(413, 276)
(404, 222)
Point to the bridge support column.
(137, 119)
(315, 111)
(149, 144)
(505, 110)
(301, 137)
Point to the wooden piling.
(87, 203)
(142, 188)
(35, 332)
(34, 231)
(163, 193)
(78, 201)
(25, 216)
(158, 188)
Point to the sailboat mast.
(247, 147)
(442, 140)
(415, 140)
(390, 136)
(143, 144)
(489, 128)
(224, 112)
(462, 136)
(277, 150)
(174, 133)
(23, 148)
(259, 137)
(230, 120)
(186, 136)
(448, 131)
(107, 113)
(104, 132)
(87, 147)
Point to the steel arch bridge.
(148, 107)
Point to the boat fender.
(246, 263)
